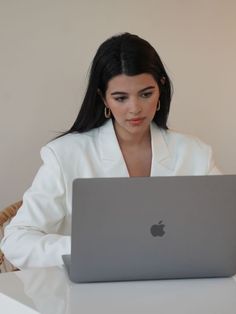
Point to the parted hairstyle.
(121, 54)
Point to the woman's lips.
(136, 121)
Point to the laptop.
(147, 228)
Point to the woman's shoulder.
(187, 154)
(187, 142)
(184, 138)
(72, 140)
(176, 140)
(83, 139)
(69, 148)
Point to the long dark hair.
(121, 54)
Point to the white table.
(48, 290)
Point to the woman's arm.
(39, 234)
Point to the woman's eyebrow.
(146, 88)
(119, 93)
(141, 91)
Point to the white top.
(40, 232)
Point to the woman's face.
(133, 101)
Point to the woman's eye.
(146, 95)
(120, 98)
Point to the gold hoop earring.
(159, 106)
(107, 112)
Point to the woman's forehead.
(126, 83)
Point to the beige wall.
(45, 50)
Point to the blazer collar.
(112, 158)
(111, 155)
(162, 161)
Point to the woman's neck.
(132, 139)
(137, 152)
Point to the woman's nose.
(135, 106)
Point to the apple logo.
(158, 230)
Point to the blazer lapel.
(113, 163)
(162, 162)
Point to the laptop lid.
(153, 228)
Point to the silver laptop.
(153, 228)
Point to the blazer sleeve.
(33, 238)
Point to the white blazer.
(40, 232)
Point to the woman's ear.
(102, 97)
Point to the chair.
(5, 217)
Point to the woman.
(121, 130)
